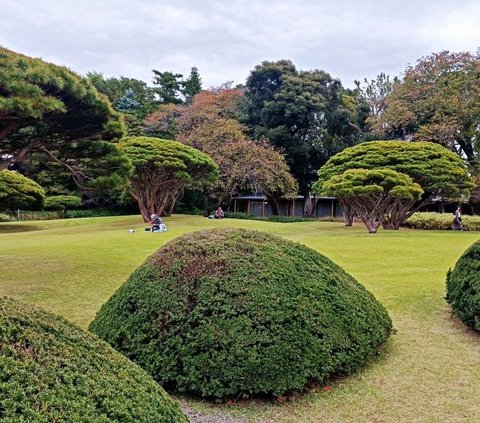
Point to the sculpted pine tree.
(373, 195)
(441, 174)
(162, 170)
(50, 114)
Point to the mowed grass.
(429, 371)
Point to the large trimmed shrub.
(51, 371)
(227, 312)
(463, 287)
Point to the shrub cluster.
(6, 218)
(228, 312)
(35, 215)
(277, 219)
(73, 214)
(62, 202)
(463, 287)
(441, 221)
(51, 371)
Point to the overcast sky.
(350, 39)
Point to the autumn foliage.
(210, 124)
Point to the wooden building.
(259, 206)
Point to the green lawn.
(429, 371)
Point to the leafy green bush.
(463, 287)
(278, 219)
(51, 371)
(227, 312)
(239, 215)
(287, 219)
(18, 191)
(441, 221)
(62, 202)
(6, 218)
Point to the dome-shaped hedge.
(51, 371)
(463, 287)
(228, 312)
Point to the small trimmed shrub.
(441, 221)
(51, 371)
(240, 215)
(463, 287)
(62, 202)
(231, 312)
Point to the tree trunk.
(274, 204)
(347, 212)
(309, 205)
(372, 225)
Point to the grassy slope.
(429, 371)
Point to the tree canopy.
(438, 100)
(48, 114)
(308, 114)
(440, 173)
(17, 191)
(162, 170)
(47, 107)
(209, 124)
(126, 94)
(172, 88)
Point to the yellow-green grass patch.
(428, 372)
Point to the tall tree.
(376, 91)
(168, 86)
(172, 88)
(305, 113)
(50, 114)
(438, 100)
(162, 170)
(209, 124)
(126, 94)
(192, 85)
(439, 172)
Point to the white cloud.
(225, 40)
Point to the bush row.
(24, 215)
(441, 221)
(279, 219)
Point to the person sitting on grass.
(219, 214)
(155, 222)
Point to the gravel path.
(198, 417)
